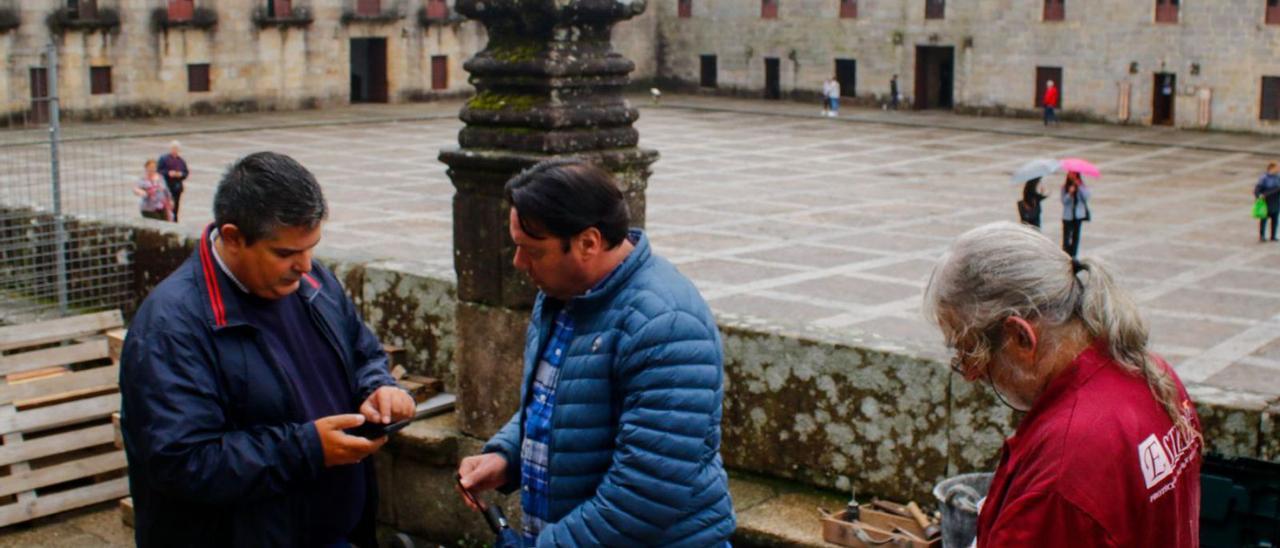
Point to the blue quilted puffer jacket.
(635, 446)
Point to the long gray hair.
(1002, 270)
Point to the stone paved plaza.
(828, 227)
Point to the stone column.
(548, 84)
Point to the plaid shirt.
(535, 455)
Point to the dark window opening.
(1166, 11)
(437, 10)
(847, 77)
(685, 9)
(1271, 98)
(439, 72)
(848, 9)
(935, 9)
(1273, 12)
(99, 80)
(368, 7)
(1055, 10)
(280, 9)
(198, 78)
(708, 70)
(181, 10)
(1044, 75)
(768, 9)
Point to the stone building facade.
(1194, 63)
(140, 57)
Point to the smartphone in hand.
(375, 430)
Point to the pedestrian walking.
(154, 200)
(833, 98)
(1075, 211)
(1029, 206)
(1268, 189)
(173, 167)
(1050, 104)
(893, 92)
(826, 97)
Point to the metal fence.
(63, 195)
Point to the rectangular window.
(708, 69)
(437, 10)
(368, 7)
(1044, 75)
(1055, 10)
(768, 9)
(847, 77)
(848, 9)
(1273, 12)
(100, 80)
(439, 72)
(198, 78)
(685, 9)
(1166, 11)
(935, 9)
(280, 9)
(181, 10)
(82, 9)
(1271, 98)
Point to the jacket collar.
(1083, 368)
(224, 299)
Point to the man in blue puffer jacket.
(617, 439)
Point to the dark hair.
(561, 198)
(1029, 192)
(265, 191)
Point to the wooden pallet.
(58, 389)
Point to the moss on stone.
(489, 100)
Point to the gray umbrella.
(1035, 169)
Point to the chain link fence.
(64, 192)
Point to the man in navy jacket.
(239, 374)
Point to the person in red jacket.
(1108, 453)
(1050, 103)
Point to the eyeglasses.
(961, 357)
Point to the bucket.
(958, 498)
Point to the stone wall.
(998, 45)
(822, 411)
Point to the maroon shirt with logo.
(1096, 462)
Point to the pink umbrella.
(1080, 166)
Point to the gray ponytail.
(1001, 270)
(1110, 315)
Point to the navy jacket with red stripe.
(218, 454)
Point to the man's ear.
(231, 236)
(589, 242)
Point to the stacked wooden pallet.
(58, 389)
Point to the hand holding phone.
(375, 430)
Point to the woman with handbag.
(1268, 191)
(1029, 206)
(1075, 211)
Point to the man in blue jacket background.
(617, 439)
(239, 374)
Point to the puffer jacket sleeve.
(174, 421)
(668, 376)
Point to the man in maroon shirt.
(1109, 451)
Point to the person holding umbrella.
(1075, 201)
(1268, 188)
(1029, 175)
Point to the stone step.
(416, 470)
